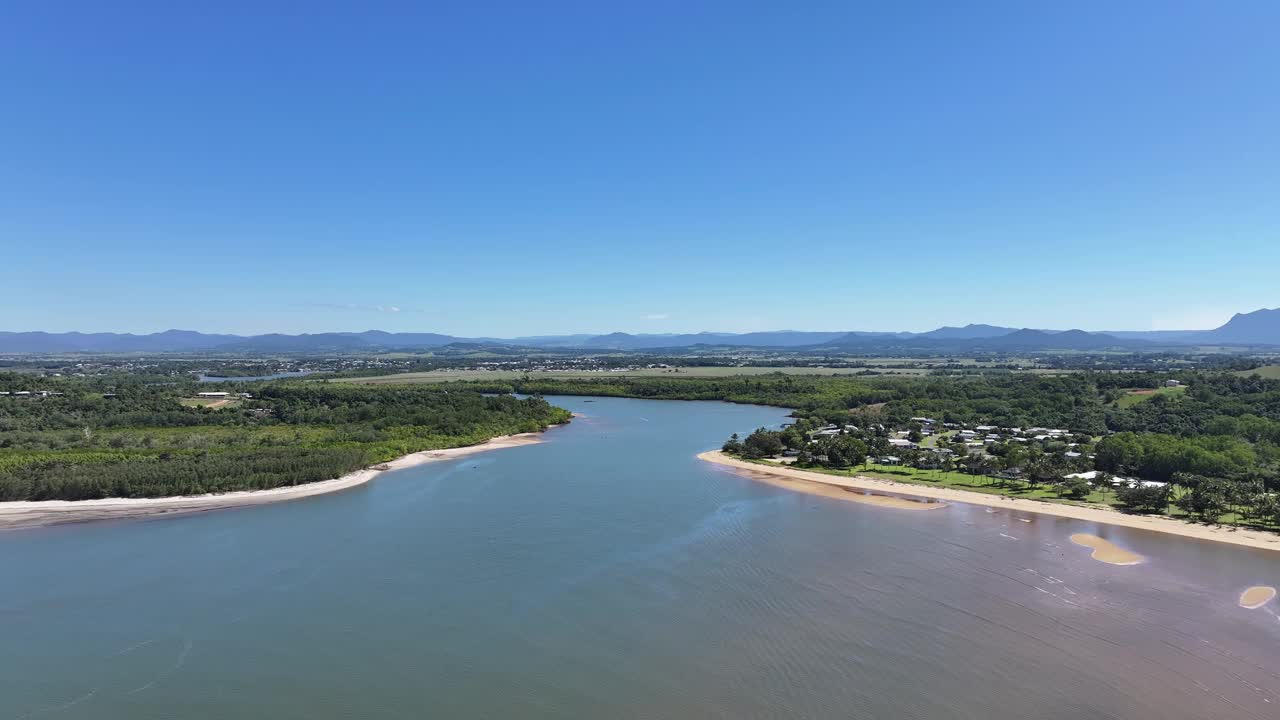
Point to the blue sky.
(509, 168)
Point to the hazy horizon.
(466, 334)
(515, 170)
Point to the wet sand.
(830, 490)
(50, 512)
(1106, 551)
(1098, 514)
(1257, 596)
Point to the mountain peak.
(1260, 327)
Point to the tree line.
(139, 440)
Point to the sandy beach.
(49, 512)
(1216, 533)
(838, 491)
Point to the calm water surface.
(607, 573)
(253, 378)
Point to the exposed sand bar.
(1106, 551)
(1107, 516)
(1257, 596)
(838, 491)
(50, 512)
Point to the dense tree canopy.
(142, 441)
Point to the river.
(607, 573)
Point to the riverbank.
(15, 515)
(1107, 516)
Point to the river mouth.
(608, 572)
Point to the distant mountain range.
(1258, 328)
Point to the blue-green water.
(607, 573)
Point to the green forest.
(125, 438)
(1214, 403)
(1216, 442)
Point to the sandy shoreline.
(1216, 533)
(50, 512)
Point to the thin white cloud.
(655, 316)
(390, 309)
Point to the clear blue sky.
(506, 168)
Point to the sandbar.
(23, 514)
(1089, 513)
(839, 491)
(1106, 551)
(1257, 596)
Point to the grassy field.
(971, 483)
(1133, 397)
(1017, 489)
(884, 367)
(691, 372)
(1267, 371)
(216, 403)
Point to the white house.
(212, 394)
(1092, 475)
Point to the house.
(985, 428)
(1092, 476)
(889, 460)
(901, 443)
(1071, 454)
(967, 434)
(1173, 383)
(212, 394)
